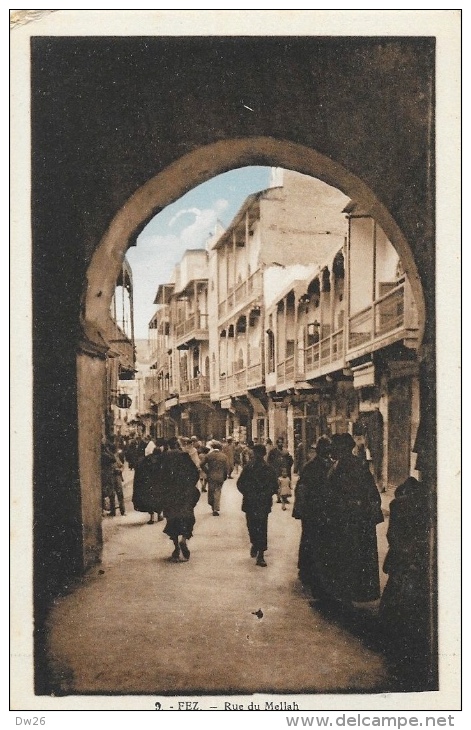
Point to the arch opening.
(167, 187)
(198, 167)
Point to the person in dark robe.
(299, 457)
(269, 446)
(135, 451)
(147, 493)
(405, 604)
(247, 453)
(310, 502)
(350, 560)
(178, 479)
(257, 483)
(279, 458)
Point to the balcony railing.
(158, 395)
(285, 371)
(226, 385)
(384, 316)
(254, 283)
(241, 293)
(311, 357)
(326, 352)
(194, 323)
(240, 380)
(389, 312)
(255, 375)
(120, 343)
(195, 386)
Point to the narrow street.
(143, 625)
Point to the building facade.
(178, 390)
(297, 321)
(121, 357)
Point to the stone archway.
(163, 189)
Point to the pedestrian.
(237, 456)
(204, 450)
(107, 476)
(180, 495)
(147, 493)
(310, 506)
(135, 451)
(113, 477)
(217, 468)
(247, 453)
(299, 457)
(196, 442)
(405, 604)
(362, 453)
(279, 458)
(353, 510)
(190, 449)
(120, 448)
(228, 451)
(257, 484)
(284, 488)
(118, 487)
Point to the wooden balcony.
(226, 385)
(120, 345)
(242, 379)
(195, 327)
(241, 294)
(388, 319)
(194, 388)
(285, 371)
(159, 395)
(255, 377)
(324, 356)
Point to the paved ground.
(140, 624)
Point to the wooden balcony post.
(247, 239)
(332, 309)
(234, 263)
(226, 255)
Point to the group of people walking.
(167, 475)
(336, 500)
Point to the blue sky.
(185, 224)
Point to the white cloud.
(155, 256)
(221, 205)
(194, 211)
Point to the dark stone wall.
(110, 113)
